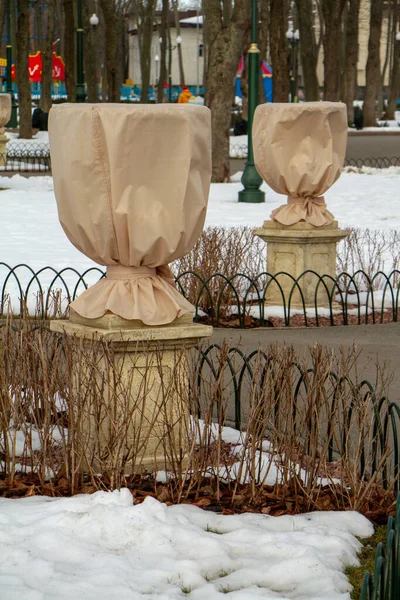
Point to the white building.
(191, 43)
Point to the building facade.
(191, 43)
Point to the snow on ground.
(41, 137)
(102, 546)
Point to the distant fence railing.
(385, 583)
(222, 301)
(380, 162)
(239, 150)
(365, 427)
(26, 157)
(33, 156)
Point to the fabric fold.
(131, 184)
(148, 298)
(311, 210)
(299, 151)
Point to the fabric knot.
(311, 209)
(121, 272)
(308, 202)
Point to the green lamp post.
(293, 37)
(13, 119)
(251, 180)
(80, 81)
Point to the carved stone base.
(294, 249)
(3, 149)
(131, 392)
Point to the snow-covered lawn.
(103, 547)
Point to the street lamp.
(80, 82)
(13, 119)
(251, 180)
(170, 48)
(80, 91)
(156, 60)
(94, 20)
(293, 37)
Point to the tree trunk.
(111, 50)
(24, 88)
(332, 11)
(60, 20)
(2, 16)
(263, 39)
(47, 59)
(225, 43)
(394, 84)
(389, 42)
(244, 80)
(70, 51)
(179, 46)
(372, 76)
(351, 59)
(163, 51)
(145, 12)
(308, 54)
(279, 48)
(205, 47)
(89, 54)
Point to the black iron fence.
(343, 420)
(238, 301)
(31, 157)
(385, 583)
(35, 157)
(380, 162)
(239, 151)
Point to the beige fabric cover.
(299, 150)
(5, 110)
(132, 185)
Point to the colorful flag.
(35, 67)
(58, 68)
(266, 69)
(240, 68)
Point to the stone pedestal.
(140, 373)
(3, 149)
(294, 249)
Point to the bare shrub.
(309, 433)
(371, 251)
(228, 259)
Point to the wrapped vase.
(132, 184)
(5, 111)
(299, 151)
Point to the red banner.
(35, 68)
(58, 67)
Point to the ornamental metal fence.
(268, 300)
(31, 157)
(385, 583)
(35, 157)
(239, 150)
(330, 413)
(379, 162)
